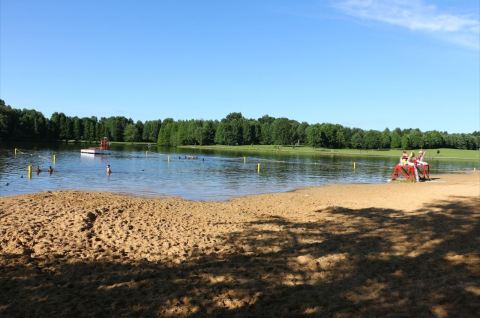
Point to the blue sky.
(361, 63)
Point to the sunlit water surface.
(212, 176)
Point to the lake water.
(213, 176)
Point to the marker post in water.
(244, 159)
(168, 158)
(354, 165)
(54, 158)
(29, 169)
(15, 151)
(258, 167)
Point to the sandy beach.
(396, 249)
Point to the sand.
(395, 249)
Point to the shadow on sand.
(344, 263)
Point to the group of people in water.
(108, 168)
(38, 170)
(412, 160)
(190, 158)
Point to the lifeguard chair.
(408, 172)
(405, 171)
(424, 170)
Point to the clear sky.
(361, 63)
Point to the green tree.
(301, 133)
(165, 133)
(154, 129)
(341, 139)
(77, 128)
(89, 126)
(415, 138)
(386, 139)
(331, 136)
(139, 125)
(131, 133)
(433, 139)
(282, 131)
(357, 141)
(314, 135)
(230, 130)
(406, 142)
(5, 121)
(266, 135)
(146, 131)
(207, 136)
(396, 139)
(372, 139)
(150, 130)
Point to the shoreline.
(247, 196)
(345, 152)
(471, 155)
(345, 250)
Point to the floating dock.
(102, 150)
(95, 151)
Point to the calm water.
(213, 176)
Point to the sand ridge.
(339, 250)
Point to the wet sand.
(336, 251)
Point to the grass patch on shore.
(440, 153)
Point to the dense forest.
(234, 129)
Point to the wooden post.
(258, 167)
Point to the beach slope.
(396, 249)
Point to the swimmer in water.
(38, 170)
(109, 170)
(50, 170)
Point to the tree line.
(234, 129)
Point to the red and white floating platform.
(102, 150)
(95, 151)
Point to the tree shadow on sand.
(342, 263)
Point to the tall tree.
(77, 128)
(396, 138)
(282, 131)
(131, 133)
